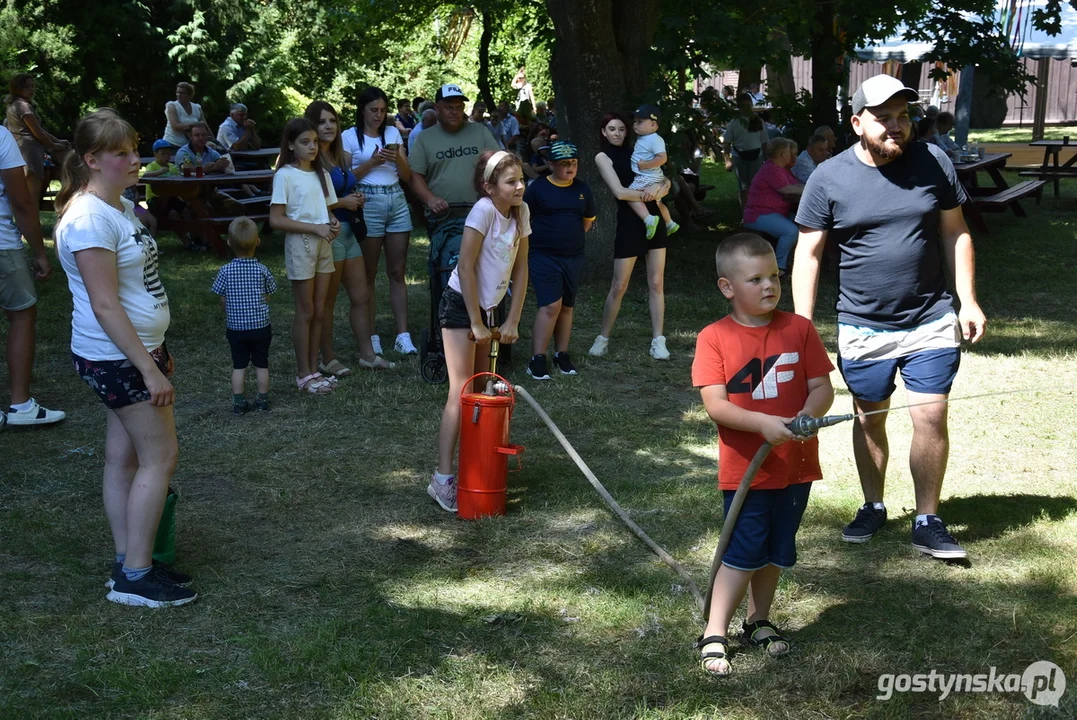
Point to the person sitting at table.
(772, 198)
(944, 123)
(239, 132)
(171, 207)
(925, 130)
(428, 118)
(198, 152)
(816, 152)
(181, 114)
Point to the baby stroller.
(446, 230)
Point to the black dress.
(630, 240)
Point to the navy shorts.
(930, 372)
(118, 383)
(250, 347)
(766, 529)
(555, 277)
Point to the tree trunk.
(597, 66)
(483, 80)
(825, 54)
(780, 73)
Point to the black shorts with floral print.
(118, 382)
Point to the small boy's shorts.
(555, 277)
(644, 182)
(250, 347)
(766, 529)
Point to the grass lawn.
(332, 587)
(1022, 134)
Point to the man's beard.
(880, 149)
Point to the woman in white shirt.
(181, 114)
(380, 163)
(118, 326)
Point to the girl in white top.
(380, 163)
(493, 250)
(299, 207)
(117, 342)
(181, 114)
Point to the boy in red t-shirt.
(756, 369)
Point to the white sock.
(442, 479)
(23, 407)
(878, 506)
(922, 520)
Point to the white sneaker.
(598, 349)
(36, 415)
(404, 345)
(375, 340)
(658, 348)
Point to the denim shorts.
(766, 529)
(386, 210)
(16, 281)
(118, 383)
(929, 372)
(345, 246)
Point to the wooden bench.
(1009, 197)
(1049, 172)
(218, 227)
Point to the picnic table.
(1050, 169)
(191, 191)
(996, 198)
(264, 157)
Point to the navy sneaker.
(174, 576)
(537, 368)
(154, 590)
(932, 538)
(867, 522)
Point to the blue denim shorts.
(766, 529)
(386, 210)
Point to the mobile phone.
(392, 147)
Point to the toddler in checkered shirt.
(244, 286)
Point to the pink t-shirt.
(500, 241)
(763, 195)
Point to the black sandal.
(703, 643)
(750, 629)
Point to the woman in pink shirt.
(773, 197)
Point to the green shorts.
(16, 281)
(345, 246)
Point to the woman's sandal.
(315, 384)
(750, 631)
(335, 368)
(714, 647)
(378, 363)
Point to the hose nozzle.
(806, 425)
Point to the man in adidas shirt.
(894, 208)
(444, 157)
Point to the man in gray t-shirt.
(894, 209)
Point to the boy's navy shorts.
(766, 529)
(930, 372)
(555, 277)
(250, 347)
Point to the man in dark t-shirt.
(894, 209)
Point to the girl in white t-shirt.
(118, 328)
(302, 194)
(492, 250)
(380, 164)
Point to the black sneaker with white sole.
(537, 368)
(867, 522)
(154, 590)
(563, 363)
(932, 538)
(171, 573)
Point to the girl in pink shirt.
(773, 197)
(495, 235)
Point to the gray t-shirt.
(885, 220)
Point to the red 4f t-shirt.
(764, 369)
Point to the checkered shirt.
(244, 283)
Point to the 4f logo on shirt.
(761, 378)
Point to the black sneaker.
(537, 368)
(867, 522)
(173, 575)
(154, 590)
(563, 363)
(932, 538)
(261, 405)
(238, 408)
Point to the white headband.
(492, 163)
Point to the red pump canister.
(482, 471)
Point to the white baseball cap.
(877, 90)
(448, 91)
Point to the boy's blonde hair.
(736, 247)
(243, 235)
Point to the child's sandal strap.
(708, 656)
(750, 629)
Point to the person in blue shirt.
(562, 211)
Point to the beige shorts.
(16, 281)
(306, 255)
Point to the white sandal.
(315, 384)
(378, 363)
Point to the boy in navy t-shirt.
(562, 211)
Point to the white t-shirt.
(500, 241)
(10, 157)
(384, 174)
(175, 137)
(90, 222)
(646, 147)
(301, 195)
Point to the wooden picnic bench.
(1008, 198)
(1051, 169)
(992, 199)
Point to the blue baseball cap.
(162, 144)
(562, 150)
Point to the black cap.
(648, 112)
